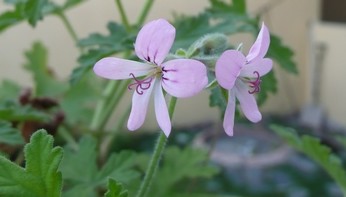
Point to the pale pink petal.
(228, 121)
(262, 66)
(161, 110)
(247, 102)
(261, 45)
(228, 67)
(139, 108)
(184, 77)
(116, 68)
(154, 41)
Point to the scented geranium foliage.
(178, 77)
(240, 75)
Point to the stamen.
(140, 84)
(255, 84)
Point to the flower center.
(143, 84)
(255, 85)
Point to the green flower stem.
(123, 16)
(155, 158)
(144, 13)
(69, 27)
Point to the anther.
(141, 85)
(255, 84)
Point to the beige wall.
(288, 18)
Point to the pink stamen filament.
(141, 85)
(255, 84)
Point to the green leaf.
(34, 10)
(179, 164)
(45, 83)
(118, 40)
(12, 111)
(10, 18)
(10, 135)
(239, 6)
(318, 152)
(282, 54)
(115, 189)
(9, 90)
(40, 178)
(86, 180)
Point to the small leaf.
(115, 189)
(34, 10)
(10, 135)
(37, 63)
(318, 152)
(9, 90)
(40, 178)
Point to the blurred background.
(314, 29)
(314, 98)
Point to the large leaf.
(318, 152)
(118, 40)
(9, 135)
(85, 180)
(37, 63)
(40, 177)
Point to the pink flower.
(178, 77)
(241, 76)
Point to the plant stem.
(155, 158)
(145, 11)
(123, 16)
(69, 27)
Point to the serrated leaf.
(34, 10)
(12, 111)
(88, 179)
(282, 54)
(318, 152)
(118, 40)
(179, 164)
(37, 63)
(40, 178)
(115, 189)
(10, 135)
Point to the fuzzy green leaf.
(115, 189)
(40, 178)
(86, 180)
(9, 135)
(9, 90)
(37, 63)
(318, 152)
